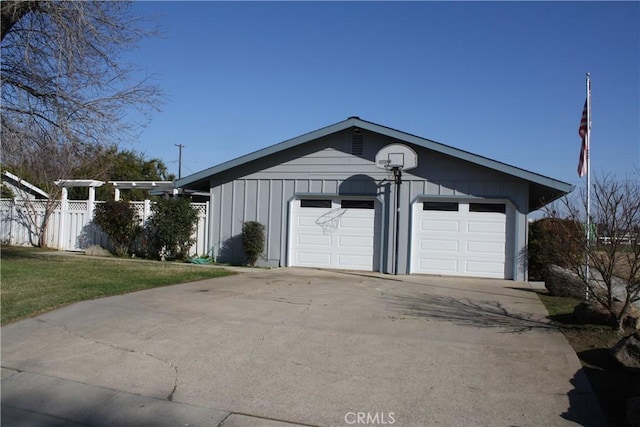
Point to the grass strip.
(35, 280)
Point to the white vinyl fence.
(71, 227)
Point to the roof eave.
(290, 143)
(544, 181)
(552, 194)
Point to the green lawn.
(559, 306)
(34, 281)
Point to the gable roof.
(542, 189)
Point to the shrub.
(169, 231)
(6, 192)
(554, 241)
(252, 241)
(120, 223)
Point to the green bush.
(168, 232)
(6, 192)
(120, 223)
(252, 241)
(554, 241)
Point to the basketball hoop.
(394, 158)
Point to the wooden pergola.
(166, 187)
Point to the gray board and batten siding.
(339, 161)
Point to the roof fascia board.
(469, 157)
(290, 143)
(392, 133)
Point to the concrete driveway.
(300, 346)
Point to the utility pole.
(180, 147)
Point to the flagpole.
(588, 145)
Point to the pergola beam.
(162, 186)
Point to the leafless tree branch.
(613, 250)
(64, 86)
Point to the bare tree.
(613, 247)
(64, 89)
(43, 164)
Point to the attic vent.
(357, 145)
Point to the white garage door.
(460, 239)
(334, 233)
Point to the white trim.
(143, 185)
(26, 184)
(70, 183)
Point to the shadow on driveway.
(467, 312)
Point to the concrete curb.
(30, 399)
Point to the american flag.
(582, 131)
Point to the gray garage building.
(327, 203)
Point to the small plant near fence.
(252, 241)
(168, 232)
(120, 223)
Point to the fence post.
(146, 211)
(63, 218)
(91, 203)
(206, 229)
(13, 215)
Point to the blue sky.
(505, 80)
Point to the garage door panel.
(439, 225)
(485, 269)
(314, 240)
(328, 236)
(314, 258)
(441, 266)
(459, 242)
(439, 245)
(306, 221)
(486, 227)
(357, 242)
(486, 236)
(484, 248)
(351, 260)
(363, 223)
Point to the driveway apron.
(300, 346)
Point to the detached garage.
(327, 201)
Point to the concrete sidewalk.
(299, 346)
(38, 400)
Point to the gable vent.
(357, 145)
